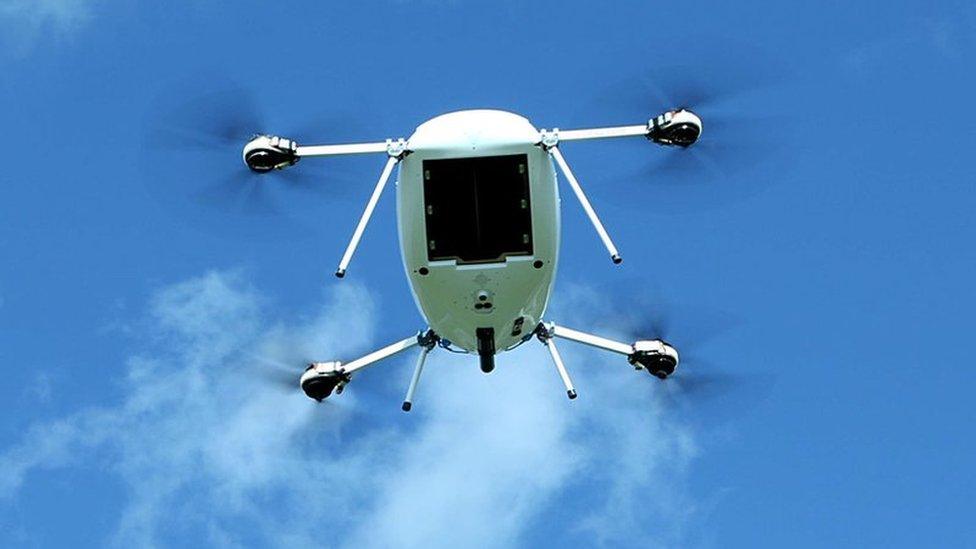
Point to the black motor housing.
(681, 135)
(265, 153)
(319, 388)
(658, 365)
(680, 128)
(265, 160)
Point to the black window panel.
(477, 210)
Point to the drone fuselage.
(478, 216)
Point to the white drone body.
(479, 228)
(490, 265)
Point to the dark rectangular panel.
(477, 210)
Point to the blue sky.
(822, 276)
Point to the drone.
(478, 215)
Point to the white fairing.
(448, 293)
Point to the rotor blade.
(277, 373)
(193, 150)
(240, 193)
(699, 383)
(649, 315)
(728, 146)
(224, 114)
(285, 378)
(703, 76)
(722, 85)
(736, 157)
(702, 88)
(227, 113)
(715, 392)
(282, 379)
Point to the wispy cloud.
(942, 34)
(206, 448)
(24, 22)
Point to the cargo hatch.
(477, 210)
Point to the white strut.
(603, 133)
(367, 214)
(590, 339)
(376, 356)
(408, 401)
(560, 367)
(594, 219)
(339, 150)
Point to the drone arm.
(603, 133)
(376, 356)
(338, 150)
(594, 219)
(591, 340)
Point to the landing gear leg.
(546, 338)
(427, 342)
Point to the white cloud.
(205, 447)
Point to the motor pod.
(678, 128)
(321, 378)
(655, 356)
(268, 152)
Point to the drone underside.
(479, 225)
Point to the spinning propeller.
(687, 329)
(281, 374)
(207, 131)
(739, 133)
